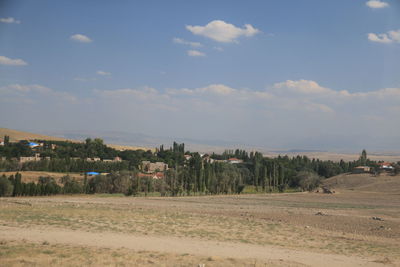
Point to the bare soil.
(297, 229)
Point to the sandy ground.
(358, 225)
(181, 245)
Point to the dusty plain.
(352, 227)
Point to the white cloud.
(103, 73)
(386, 38)
(195, 53)
(376, 4)
(184, 42)
(302, 86)
(217, 89)
(379, 38)
(80, 38)
(10, 20)
(12, 62)
(223, 32)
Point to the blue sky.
(277, 74)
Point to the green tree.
(307, 180)
(6, 187)
(363, 158)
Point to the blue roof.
(92, 173)
(33, 144)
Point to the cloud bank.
(299, 113)
(12, 62)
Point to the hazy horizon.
(306, 75)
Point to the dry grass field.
(297, 229)
(20, 135)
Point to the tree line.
(201, 174)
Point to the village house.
(93, 159)
(235, 161)
(386, 166)
(26, 159)
(187, 157)
(149, 167)
(362, 169)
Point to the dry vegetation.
(20, 135)
(17, 253)
(277, 229)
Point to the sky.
(277, 74)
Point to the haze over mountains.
(121, 140)
(294, 145)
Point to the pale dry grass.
(20, 135)
(286, 220)
(17, 253)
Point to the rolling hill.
(383, 183)
(16, 135)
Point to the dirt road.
(180, 245)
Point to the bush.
(307, 180)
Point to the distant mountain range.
(123, 140)
(143, 140)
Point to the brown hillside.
(364, 182)
(20, 135)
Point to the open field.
(295, 229)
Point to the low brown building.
(362, 169)
(150, 167)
